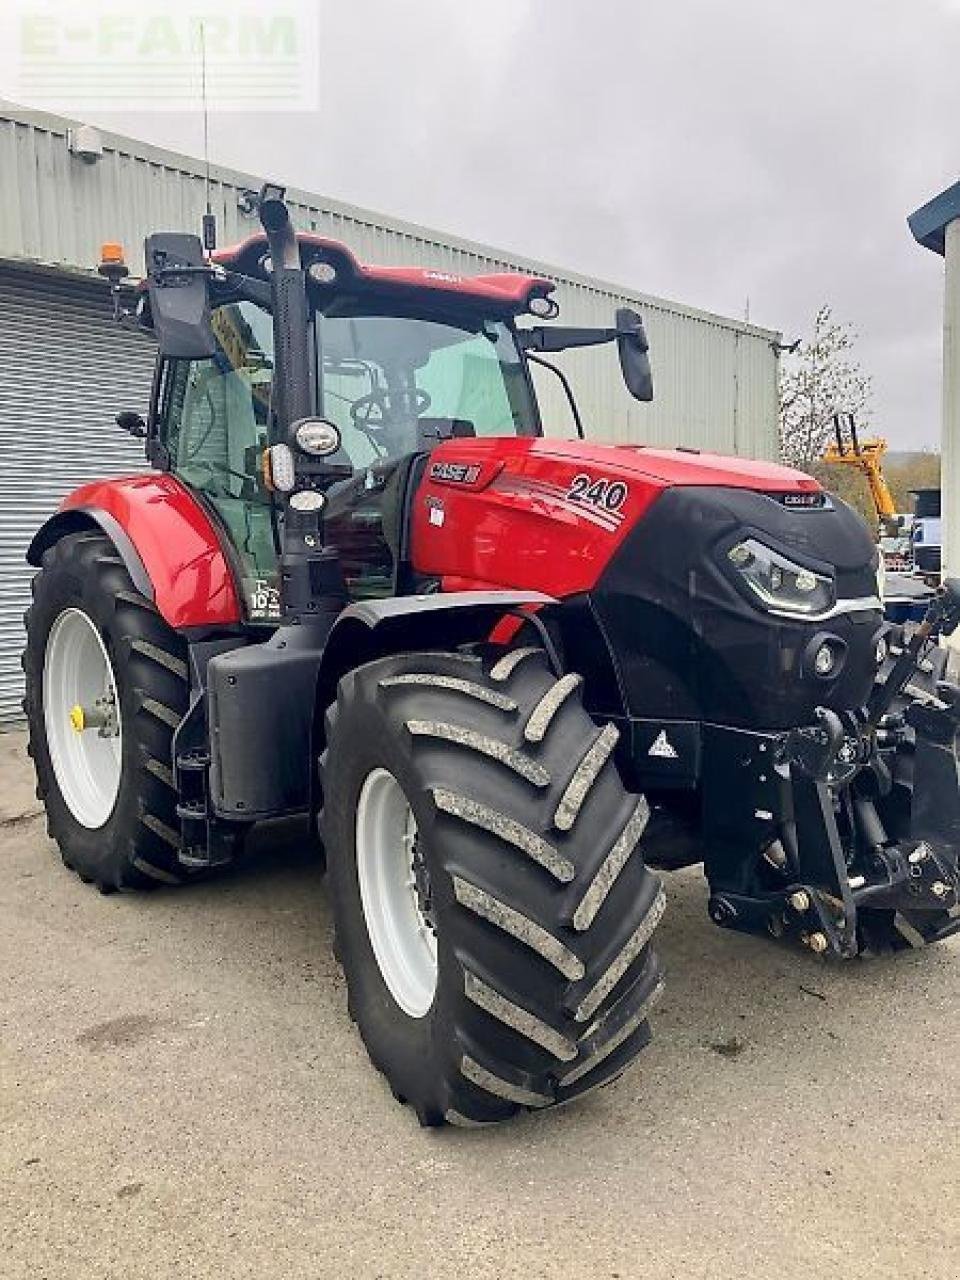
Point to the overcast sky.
(707, 152)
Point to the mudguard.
(166, 539)
(373, 628)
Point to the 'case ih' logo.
(455, 472)
(803, 499)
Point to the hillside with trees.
(903, 471)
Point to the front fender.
(167, 541)
(373, 628)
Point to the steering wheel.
(372, 412)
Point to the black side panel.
(261, 701)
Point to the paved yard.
(182, 1094)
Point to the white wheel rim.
(403, 942)
(87, 763)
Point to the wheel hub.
(395, 893)
(102, 716)
(82, 720)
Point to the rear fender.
(166, 539)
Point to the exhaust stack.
(312, 588)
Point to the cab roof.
(506, 291)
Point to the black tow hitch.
(778, 792)
(829, 857)
(855, 820)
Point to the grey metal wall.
(65, 370)
(715, 378)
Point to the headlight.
(778, 583)
(543, 308)
(316, 436)
(322, 272)
(308, 500)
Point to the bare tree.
(821, 378)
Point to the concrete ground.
(182, 1094)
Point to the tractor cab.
(393, 378)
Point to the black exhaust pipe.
(291, 330)
(312, 588)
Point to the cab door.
(212, 426)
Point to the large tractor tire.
(492, 909)
(106, 686)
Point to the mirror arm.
(561, 338)
(231, 285)
(553, 338)
(175, 273)
(230, 282)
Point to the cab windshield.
(396, 384)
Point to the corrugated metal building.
(65, 368)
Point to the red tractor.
(504, 674)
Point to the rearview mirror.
(634, 352)
(179, 296)
(130, 420)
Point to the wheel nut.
(800, 901)
(939, 889)
(817, 942)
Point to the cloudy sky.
(707, 152)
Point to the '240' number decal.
(609, 495)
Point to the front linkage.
(855, 820)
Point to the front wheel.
(492, 909)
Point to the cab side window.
(216, 412)
(214, 423)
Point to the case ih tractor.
(504, 674)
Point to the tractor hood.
(691, 466)
(550, 514)
(642, 538)
(663, 467)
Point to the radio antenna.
(209, 221)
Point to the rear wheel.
(492, 909)
(106, 686)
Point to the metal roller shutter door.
(65, 370)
